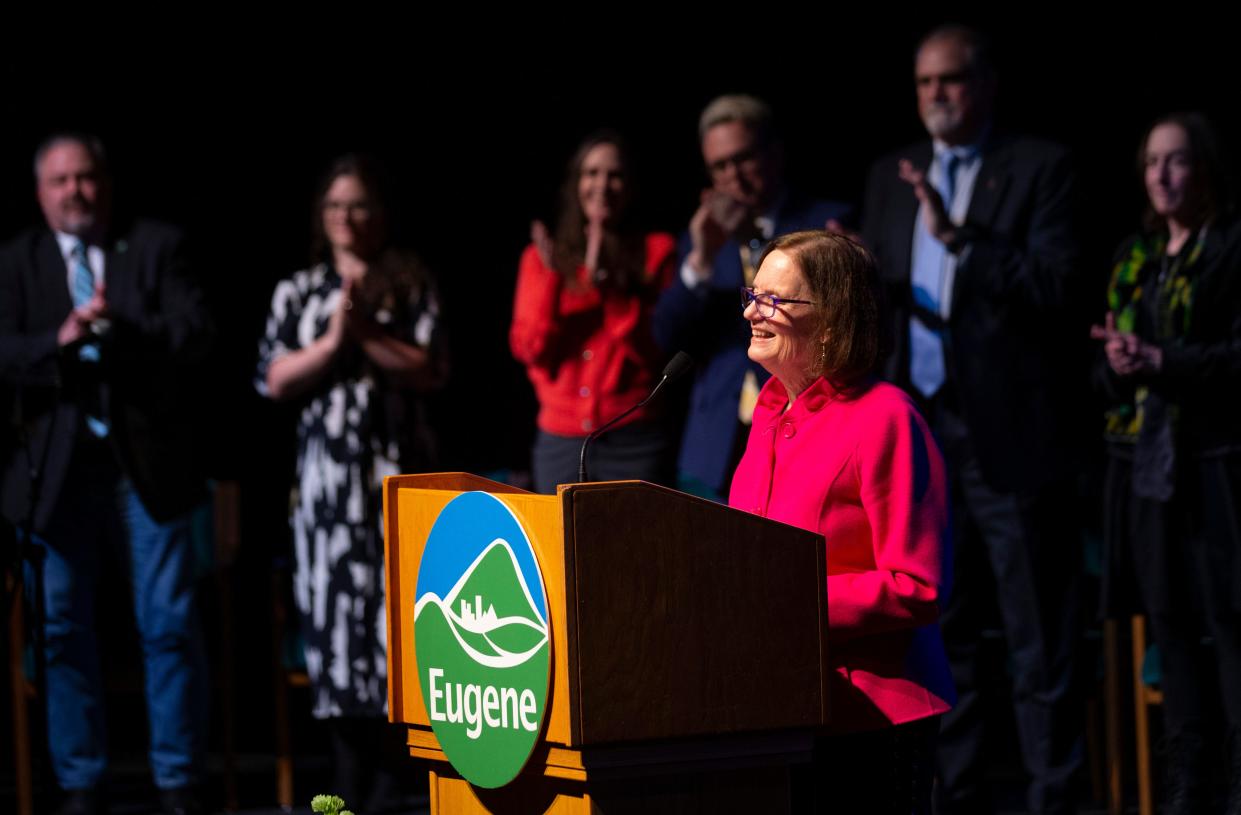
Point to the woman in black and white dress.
(353, 340)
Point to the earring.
(822, 356)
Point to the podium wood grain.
(690, 620)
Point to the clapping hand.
(347, 320)
(78, 324)
(716, 220)
(543, 243)
(1126, 353)
(938, 222)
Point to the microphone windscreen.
(678, 366)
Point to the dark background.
(228, 137)
(224, 128)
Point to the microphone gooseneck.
(676, 368)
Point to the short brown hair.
(844, 284)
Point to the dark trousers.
(640, 450)
(1022, 553)
(1184, 556)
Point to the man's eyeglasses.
(766, 303)
(745, 159)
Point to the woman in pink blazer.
(836, 452)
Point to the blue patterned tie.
(83, 289)
(83, 277)
(926, 362)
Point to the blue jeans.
(95, 516)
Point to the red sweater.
(865, 473)
(589, 354)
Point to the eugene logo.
(482, 639)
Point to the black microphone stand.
(680, 364)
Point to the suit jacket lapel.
(118, 274)
(52, 279)
(994, 177)
(989, 188)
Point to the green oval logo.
(482, 639)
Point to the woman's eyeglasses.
(766, 303)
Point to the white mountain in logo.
(490, 610)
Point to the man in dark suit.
(974, 236)
(747, 205)
(99, 327)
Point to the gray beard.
(939, 123)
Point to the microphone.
(678, 367)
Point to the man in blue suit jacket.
(746, 206)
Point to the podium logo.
(481, 639)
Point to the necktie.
(82, 276)
(83, 285)
(926, 362)
(948, 184)
(83, 289)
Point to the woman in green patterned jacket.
(1171, 370)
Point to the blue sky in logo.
(465, 527)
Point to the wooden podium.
(688, 650)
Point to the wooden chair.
(1144, 696)
(1112, 725)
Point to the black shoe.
(185, 800)
(80, 802)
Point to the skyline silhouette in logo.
(499, 629)
(476, 518)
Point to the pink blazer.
(863, 471)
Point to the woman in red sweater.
(836, 452)
(581, 324)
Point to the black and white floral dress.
(353, 430)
